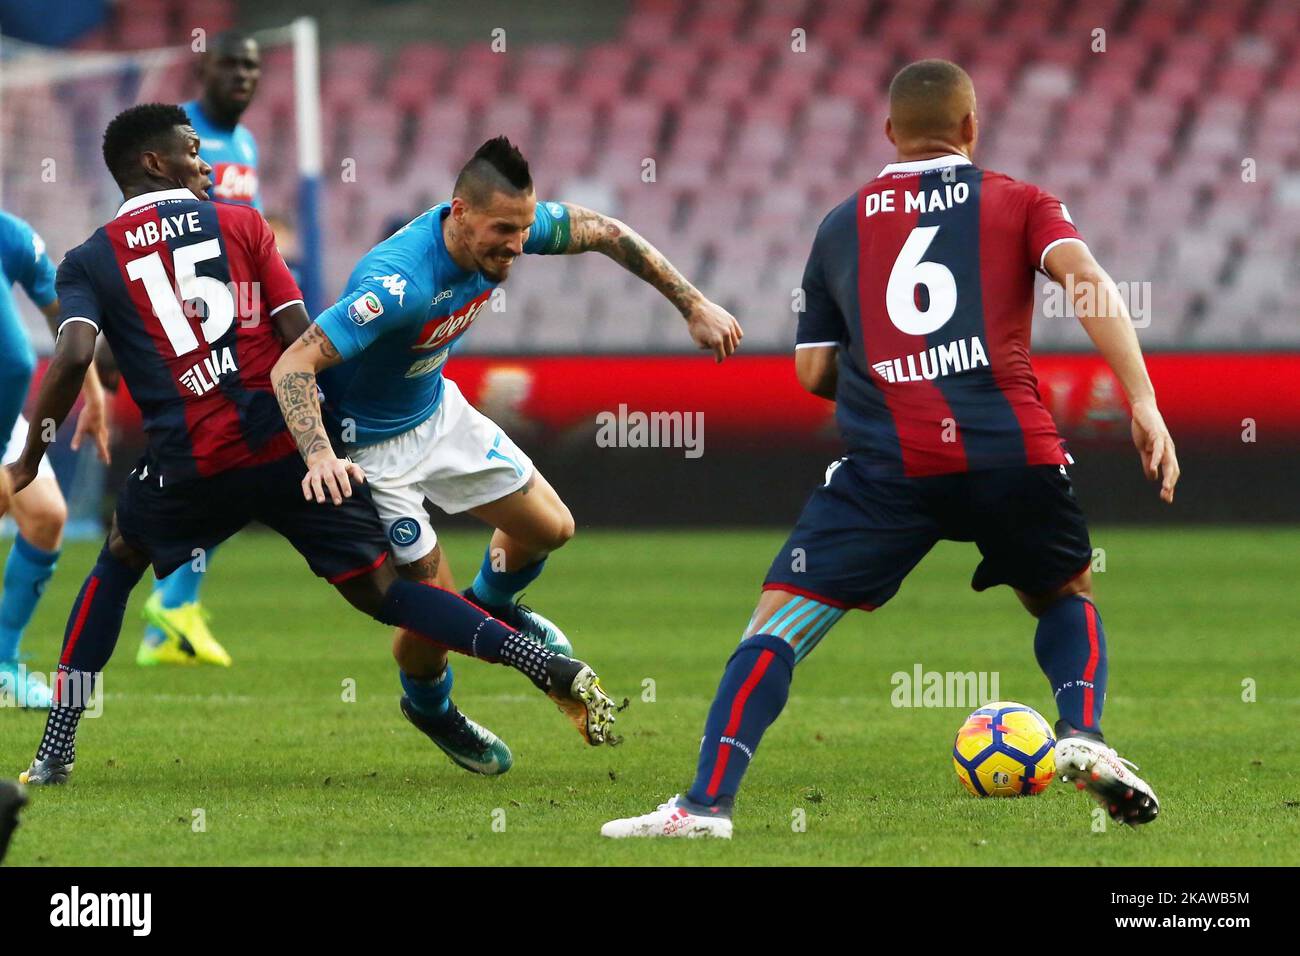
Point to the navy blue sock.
(96, 618)
(446, 618)
(431, 696)
(494, 588)
(753, 691)
(88, 642)
(1071, 649)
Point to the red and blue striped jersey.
(184, 290)
(925, 280)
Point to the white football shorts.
(458, 459)
(17, 442)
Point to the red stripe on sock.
(1090, 670)
(733, 722)
(91, 587)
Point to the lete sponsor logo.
(234, 182)
(438, 332)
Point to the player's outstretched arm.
(1105, 317)
(711, 326)
(93, 420)
(60, 387)
(294, 380)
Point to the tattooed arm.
(711, 326)
(294, 380)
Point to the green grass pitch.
(285, 771)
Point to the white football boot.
(1091, 765)
(670, 819)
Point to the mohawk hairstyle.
(135, 130)
(496, 166)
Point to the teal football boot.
(468, 744)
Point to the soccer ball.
(1004, 749)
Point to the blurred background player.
(919, 303)
(220, 456)
(228, 71)
(39, 510)
(416, 436)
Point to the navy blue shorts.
(170, 523)
(860, 535)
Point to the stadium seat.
(752, 142)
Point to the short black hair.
(496, 166)
(228, 40)
(135, 130)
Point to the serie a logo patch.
(365, 308)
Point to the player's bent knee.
(366, 592)
(43, 525)
(1037, 604)
(417, 656)
(563, 529)
(122, 551)
(549, 533)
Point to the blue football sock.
(498, 588)
(26, 571)
(182, 585)
(753, 691)
(1071, 649)
(430, 696)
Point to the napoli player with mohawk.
(416, 437)
(919, 300)
(157, 281)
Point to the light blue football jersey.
(407, 304)
(232, 154)
(23, 260)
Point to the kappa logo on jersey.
(438, 332)
(395, 286)
(951, 358)
(234, 182)
(365, 308)
(204, 376)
